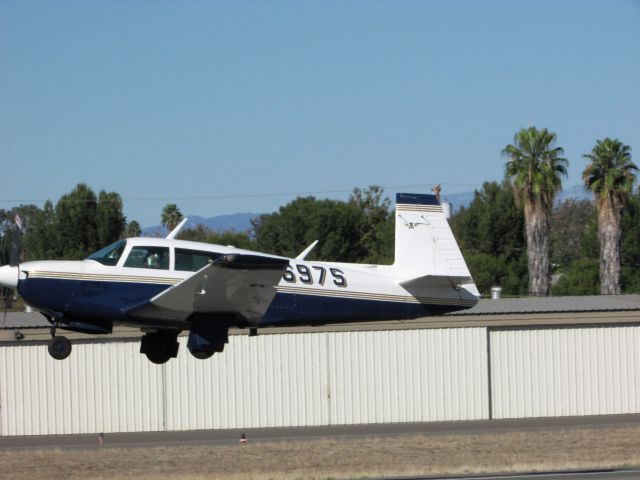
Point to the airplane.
(165, 286)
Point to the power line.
(250, 195)
(168, 198)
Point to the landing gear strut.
(59, 347)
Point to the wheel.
(159, 347)
(158, 356)
(218, 345)
(59, 347)
(201, 354)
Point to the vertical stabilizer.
(425, 245)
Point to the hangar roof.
(11, 320)
(569, 304)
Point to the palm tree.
(534, 169)
(171, 216)
(610, 176)
(133, 229)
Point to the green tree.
(631, 245)
(75, 217)
(171, 216)
(337, 225)
(610, 175)
(11, 235)
(572, 220)
(132, 229)
(41, 238)
(490, 234)
(580, 278)
(535, 169)
(377, 235)
(200, 233)
(110, 220)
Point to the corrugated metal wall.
(408, 375)
(104, 387)
(324, 379)
(270, 380)
(565, 371)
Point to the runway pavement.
(228, 437)
(625, 473)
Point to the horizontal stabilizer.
(435, 280)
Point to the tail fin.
(425, 245)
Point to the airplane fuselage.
(309, 292)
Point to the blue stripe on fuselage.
(98, 300)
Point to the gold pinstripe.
(96, 277)
(419, 208)
(373, 296)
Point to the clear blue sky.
(225, 107)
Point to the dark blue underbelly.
(292, 309)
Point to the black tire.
(158, 352)
(158, 357)
(160, 347)
(219, 346)
(201, 354)
(59, 347)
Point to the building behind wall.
(502, 359)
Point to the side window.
(148, 257)
(193, 260)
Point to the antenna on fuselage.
(306, 251)
(176, 230)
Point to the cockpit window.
(193, 260)
(148, 257)
(109, 255)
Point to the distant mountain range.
(576, 192)
(241, 222)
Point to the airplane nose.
(9, 276)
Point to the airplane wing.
(234, 283)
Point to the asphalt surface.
(627, 473)
(231, 437)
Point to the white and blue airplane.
(165, 286)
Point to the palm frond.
(535, 166)
(610, 172)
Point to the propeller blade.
(15, 247)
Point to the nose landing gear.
(59, 347)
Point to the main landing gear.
(160, 346)
(59, 347)
(204, 351)
(205, 340)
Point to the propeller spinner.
(9, 276)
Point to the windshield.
(109, 255)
